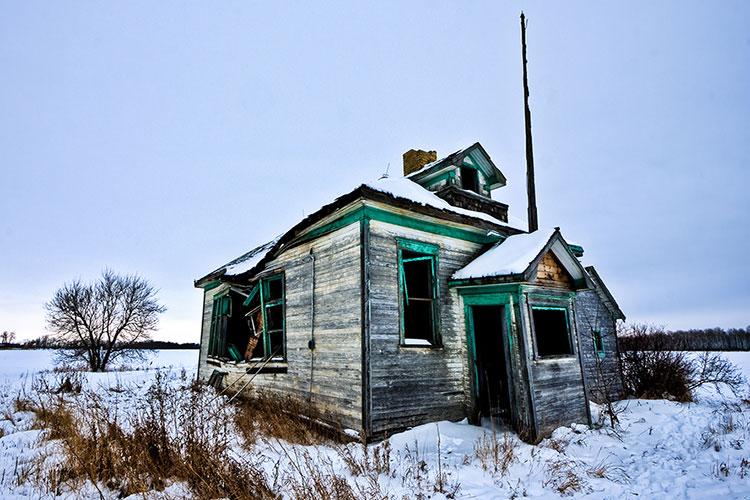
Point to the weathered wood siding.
(557, 385)
(413, 385)
(331, 374)
(603, 374)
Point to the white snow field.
(661, 450)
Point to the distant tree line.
(646, 337)
(50, 342)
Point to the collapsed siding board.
(602, 373)
(558, 393)
(413, 385)
(335, 364)
(556, 385)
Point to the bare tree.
(100, 322)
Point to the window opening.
(598, 342)
(470, 179)
(418, 272)
(252, 326)
(551, 331)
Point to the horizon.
(165, 140)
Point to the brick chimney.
(414, 159)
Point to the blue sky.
(166, 138)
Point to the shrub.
(651, 370)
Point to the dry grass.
(496, 454)
(562, 477)
(282, 417)
(171, 437)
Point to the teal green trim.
(493, 299)
(567, 325)
(418, 246)
(560, 297)
(576, 250)
(488, 299)
(431, 227)
(265, 304)
(509, 288)
(429, 252)
(345, 220)
(449, 175)
(551, 308)
(252, 295)
(596, 335)
(381, 215)
(211, 285)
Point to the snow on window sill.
(417, 343)
(558, 358)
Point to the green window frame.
(596, 335)
(418, 293)
(220, 313)
(546, 351)
(271, 292)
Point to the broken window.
(418, 283)
(551, 331)
(250, 326)
(273, 307)
(470, 179)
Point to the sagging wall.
(331, 375)
(602, 371)
(557, 385)
(412, 385)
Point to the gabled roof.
(604, 294)
(474, 155)
(396, 191)
(516, 257)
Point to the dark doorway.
(491, 376)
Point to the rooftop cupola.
(464, 179)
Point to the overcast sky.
(166, 138)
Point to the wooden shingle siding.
(591, 314)
(414, 385)
(550, 272)
(330, 376)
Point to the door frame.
(503, 301)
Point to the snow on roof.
(511, 256)
(399, 187)
(249, 260)
(402, 187)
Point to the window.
(551, 331)
(272, 298)
(250, 326)
(418, 284)
(596, 335)
(470, 179)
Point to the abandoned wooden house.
(411, 299)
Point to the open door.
(491, 386)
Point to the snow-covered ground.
(662, 449)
